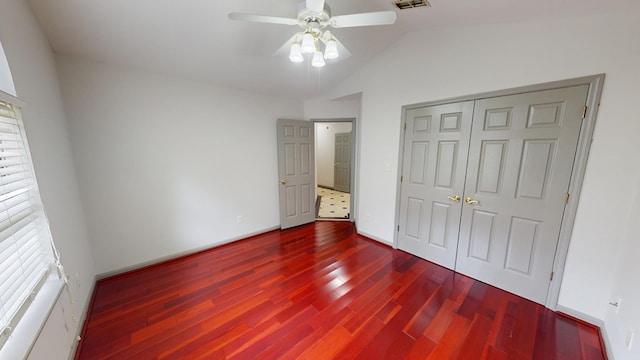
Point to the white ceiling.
(194, 39)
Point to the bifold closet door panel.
(521, 156)
(433, 174)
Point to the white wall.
(6, 79)
(166, 165)
(345, 107)
(625, 280)
(325, 150)
(34, 74)
(452, 62)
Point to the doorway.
(335, 151)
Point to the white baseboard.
(83, 318)
(372, 237)
(593, 321)
(181, 254)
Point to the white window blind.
(26, 253)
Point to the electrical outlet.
(629, 339)
(239, 219)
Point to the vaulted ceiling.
(194, 39)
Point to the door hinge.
(551, 277)
(405, 126)
(584, 111)
(566, 198)
(398, 227)
(401, 178)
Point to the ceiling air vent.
(409, 4)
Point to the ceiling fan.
(313, 17)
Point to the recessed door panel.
(422, 124)
(535, 168)
(305, 159)
(291, 201)
(419, 152)
(492, 162)
(450, 122)
(446, 165)
(439, 221)
(480, 234)
(521, 245)
(497, 119)
(439, 225)
(545, 115)
(290, 159)
(305, 198)
(414, 217)
(289, 131)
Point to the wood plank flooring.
(319, 291)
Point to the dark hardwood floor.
(319, 291)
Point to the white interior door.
(433, 172)
(342, 162)
(297, 172)
(520, 161)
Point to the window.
(27, 254)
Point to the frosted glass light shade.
(295, 55)
(318, 59)
(308, 44)
(331, 50)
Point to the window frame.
(32, 317)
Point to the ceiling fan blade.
(315, 5)
(363, 19)
(263, 19)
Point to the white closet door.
(521, 156)
(434, 163)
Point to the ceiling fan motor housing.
(307, 17)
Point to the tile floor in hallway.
(333, 204)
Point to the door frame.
(595, 83)
(354, 142)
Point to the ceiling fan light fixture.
(331, 49)
(295, 55)
(308, 43)
(318, 59)
(314, 16)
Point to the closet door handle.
(471, 201)
(454, 198)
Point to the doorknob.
(454, 198)
(471, 201)
(283, 182)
